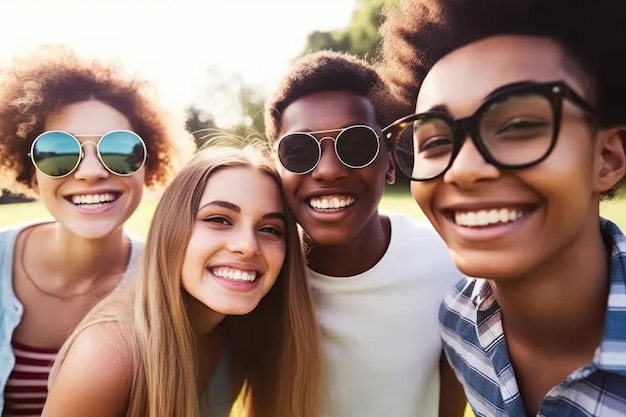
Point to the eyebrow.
(442, 108)
(523, 83)
(309, 130)
(233, 207)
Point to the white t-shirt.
(380, 330)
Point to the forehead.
(87, 118)
(462, 79)
(326, 111)
(249, 188)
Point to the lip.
(328, 191)
(241, 266)
(477, 206)
(92, 192)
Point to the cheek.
(569, 171)
(423, 194)
(275, 256)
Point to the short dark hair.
(327, 71)
(416, 34)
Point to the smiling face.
(334, 203)
(237, 246)
(507, 223)
(91, 202)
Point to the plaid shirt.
(473, 338)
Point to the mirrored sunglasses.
(57, 154)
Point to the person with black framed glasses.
(377, 279)
(518, 132)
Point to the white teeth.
(234, 274)
(487, 217)
(332, 202)
(93, 201)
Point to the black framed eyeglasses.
(356, 146)
(515, 127)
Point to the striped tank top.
(26, 390)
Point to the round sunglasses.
(57, 154)
(355, 146)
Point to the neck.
(561, 306)
(73, 259)
(356, 256)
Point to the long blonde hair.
(275, 350)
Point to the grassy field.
(140, 221)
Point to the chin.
(489, 266)
(238, 309)
(329, 239)
(95, 233)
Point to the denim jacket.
(11, 308)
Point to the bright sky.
(175, 42)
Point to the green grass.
(140, 221)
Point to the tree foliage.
(229, 92)
(359, 37)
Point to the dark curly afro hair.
(53, 76)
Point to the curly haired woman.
(85, 138)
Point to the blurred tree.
(251, 124)
(199, 123)
(227, 107)
(360, 37)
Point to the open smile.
(93, 201)
(487, 217)
(233, 274)
(331, 202)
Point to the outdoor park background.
(215, 60)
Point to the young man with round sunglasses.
(377, 279)
(84, 139)
(519, 132)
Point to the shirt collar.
(611, 355)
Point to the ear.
(390, 175)
(610, 158)
(34, 184)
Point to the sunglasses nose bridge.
(322, 139)
(90, 165)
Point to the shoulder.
(9, 234)
(97, 368)
(8, 240)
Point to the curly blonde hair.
(54, 76)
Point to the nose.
(329, 168)
(470, 167)
(244, 242)
(90, 168)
